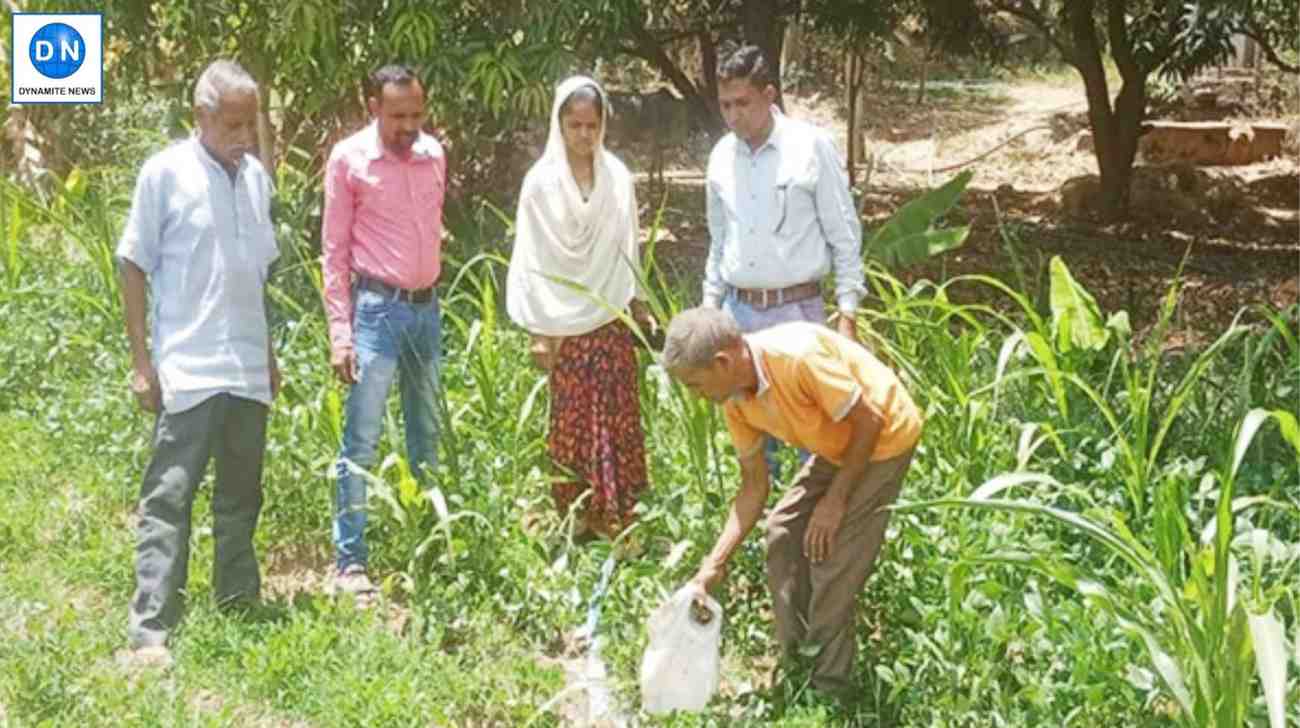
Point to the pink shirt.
(383, 220)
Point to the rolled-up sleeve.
(336, 248)
(839, 223)
(141, 241)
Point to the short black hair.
(585, 93)
(398, 73)
(747, 62)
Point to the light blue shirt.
(206, 243)
(781, 215)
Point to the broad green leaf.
(1270, 658)
(1075, 314)
(904, 251)
(907, 236)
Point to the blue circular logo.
(57, 50)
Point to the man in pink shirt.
(381, 238)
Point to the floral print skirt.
(595, 440)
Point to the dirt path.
(1235, 263)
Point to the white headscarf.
(560, 240)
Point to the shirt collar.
(773, 137)
(374, 149)
(756, 355)
(206, 157)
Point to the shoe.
(153, 657)
(353, 580)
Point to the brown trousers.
(817, 603)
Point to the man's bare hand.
(708, 577)
(819, 538)
(847, 325)
(145, 387)
(344, 363)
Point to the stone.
(1211, 142)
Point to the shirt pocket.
(796, 203)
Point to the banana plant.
(913, 233)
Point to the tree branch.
(1088, 56)
(1121, 45)
(1035, 17)
(1253, 32)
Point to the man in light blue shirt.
(195, 254)
(779, 210)
(780, 213)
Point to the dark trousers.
(817, 602)
(231, 430)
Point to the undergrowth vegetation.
(1097, 529)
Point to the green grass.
(952, 633)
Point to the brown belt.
(764, 298)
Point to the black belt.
(422, 295)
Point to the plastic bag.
(679, 670)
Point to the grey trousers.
(816, 603)
(231, 430)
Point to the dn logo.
(57, 50)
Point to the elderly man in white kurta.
(194, 257)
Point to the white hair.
(696, 335)
(218, 78)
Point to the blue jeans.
(751, 319)
(392, 339)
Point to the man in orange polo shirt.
(818, 390)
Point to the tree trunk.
(925, 75)
(1114, 131)
(709, 70)
(763, 27)
(703, 111)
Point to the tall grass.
(1070, 477)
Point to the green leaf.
(1286, 422)
(1245, 434)
(1075, 314)
(1270, 659)
(904, 251)
(996, 485)
(1170, 673)
(908, 237)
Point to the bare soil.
(1242, 244)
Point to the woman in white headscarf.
(571, 273)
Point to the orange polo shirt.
(809, 377)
